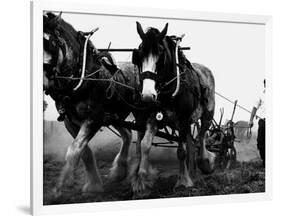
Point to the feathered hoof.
(206, 166)
(118, 172)
(183, 182)
(143, 182)
(141, 187)
(57, 192)
(92, 188)
(142, 194)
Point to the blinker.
(136, 57)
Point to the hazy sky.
(234, 52)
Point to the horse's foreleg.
(207, 158)
(88, 158)
(94, 181)
(144, 178)
(146, 144)
(119, 167)
(182, 153)
(78, 149)
(135, 162)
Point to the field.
(247, 176)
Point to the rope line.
(87, 78)
(93, 79)
(92, 74)
(241, 107)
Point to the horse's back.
(207, 86)
(130, 72)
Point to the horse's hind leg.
(207, 158)
(182, 153)
(119, 167)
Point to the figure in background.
(259, 111)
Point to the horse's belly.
(171, 119)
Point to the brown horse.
(85, 105)
(183, 93)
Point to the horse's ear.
(140, 31)
(58, 17)
(164, 31)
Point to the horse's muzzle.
(149, 93)
(148, 98)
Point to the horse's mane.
(66, 30)
(189, 77)
(61, 24)
(182, 58)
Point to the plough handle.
(234, 108)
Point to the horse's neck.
(168, 69)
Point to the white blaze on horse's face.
(47, 57)
(149, 93)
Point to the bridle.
(57, 43)
(148, 75)
(54, 43)
(153, 76)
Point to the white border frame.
(37, 8)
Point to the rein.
(112, 81)
(177, 77)
(94, 79)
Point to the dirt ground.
(247, 176)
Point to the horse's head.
(61, 51)
(151, 58)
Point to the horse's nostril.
(148, 98)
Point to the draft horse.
(183, 92)
(84, 105)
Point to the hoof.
(118, 173)
(207, 165)
(143, 182)
(184, 181)
(141, 188)
(92, 188)
(57, 193)
(141, 194)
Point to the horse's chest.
(170, 118)
(83, 109)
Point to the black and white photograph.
(151, 108)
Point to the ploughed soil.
(244, 177)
